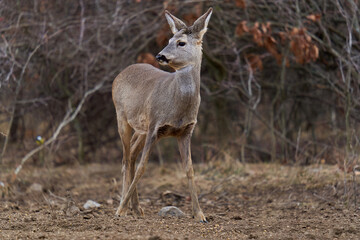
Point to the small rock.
(110, 201)
(72, 210)
(35, 187)
(2, 184)
(171, 211)
(91, 204)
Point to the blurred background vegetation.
(280, 79)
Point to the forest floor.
(253, 201)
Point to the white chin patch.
(164, 63)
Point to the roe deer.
(157, 104)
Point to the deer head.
(185, 46)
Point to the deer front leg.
(185, 152)
(150, 140)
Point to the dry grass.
(252, 200)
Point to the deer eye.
(181, 44)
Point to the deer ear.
(200, 25)
(175, 23)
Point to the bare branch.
(69, 117)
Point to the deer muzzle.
(161, 58)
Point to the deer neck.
(188, 80)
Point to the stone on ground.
(171, 211)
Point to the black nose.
(160, 58)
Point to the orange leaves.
(300, 42)
(241, 28)
(314, 52)
(266, 27)
(254, 61)
(240, 3)
(257, 35)
(271, 47)
(261, 34)
(302, 47)
(147, 58)
(314, 17)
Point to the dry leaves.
(300, 43)
(241, 28)
(254, 61)
(302, 47)
(314, 17)
(240, 3)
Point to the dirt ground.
(260, 201)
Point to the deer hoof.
(200, 217)
(121, 212)
(139, 211)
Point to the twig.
(17, 91)
(321, 197)
(58, 197)
(69, 117)
(297, 145)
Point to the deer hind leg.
(125, 135)
(137, 143)
(185, 152)
(149, 142)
